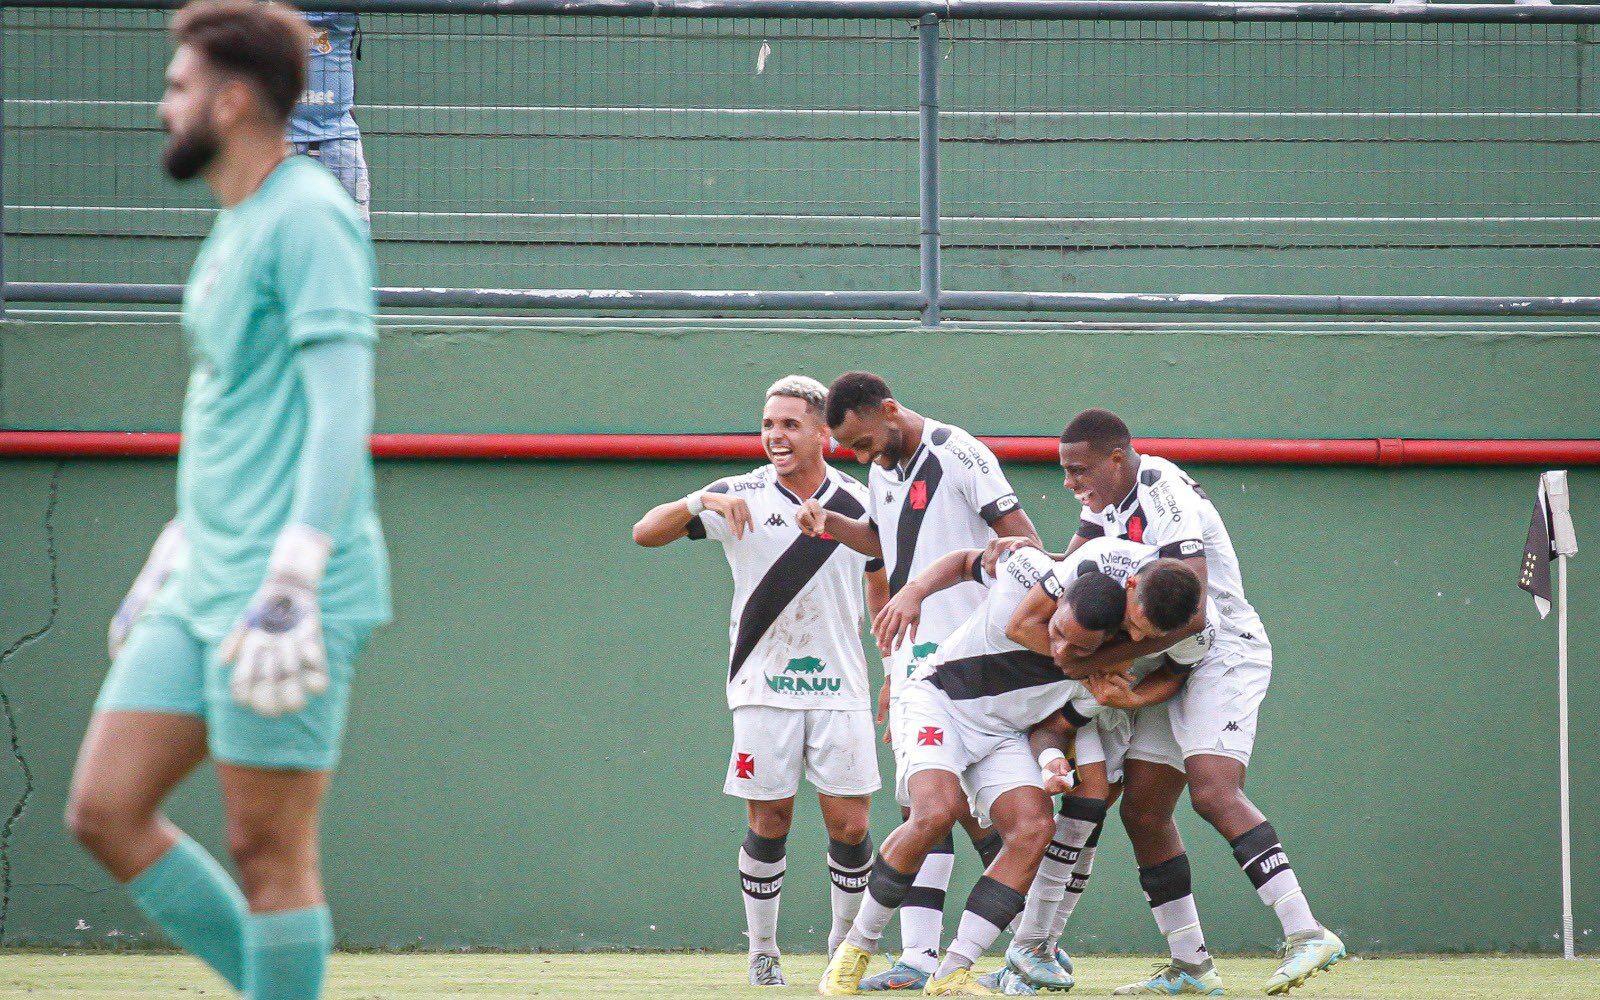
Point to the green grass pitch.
(91, 976)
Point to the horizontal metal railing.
(930, 298)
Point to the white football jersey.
(1169, 511)
(994, 683)
(1119, 559)
(951, 490)
(795, 628)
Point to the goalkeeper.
(237, 639)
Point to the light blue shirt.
(324, 109)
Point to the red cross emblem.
(930, 736)
(918, 497)
(1136, 528)
(744, 765)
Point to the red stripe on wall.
(692, 447)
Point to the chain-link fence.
(1083, 154)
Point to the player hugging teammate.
(1137, 647)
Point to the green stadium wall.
(537, 743)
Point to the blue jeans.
(345, 160)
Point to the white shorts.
(1215, 713)
(836, 750)
(1105, 741)
(938, 739)
(902, 663)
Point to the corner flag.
(1549, 535)
(1536, 555)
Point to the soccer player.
(322, 126)
(1100, 749)
(797, 674)
(935, 489)
(1203, 738)
(238, 638)
(969, 711)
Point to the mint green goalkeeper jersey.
(290, 265)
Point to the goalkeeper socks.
(887, 887)
(848, 865)
(1167, 887)
(189, 895)
(1263, 859)
(761, 867)
(288, 953)
(922, 914)
(1074, 827)
(1075, 885)
(988, 847)
(990, 909)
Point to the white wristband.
(1049, 756)
(301, 552)
(696, 505)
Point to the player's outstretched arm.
(816, 520)
(897, 622)
(664, 523)
(670, 521)
(168, 551)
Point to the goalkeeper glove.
(276, 649)
(170, 548)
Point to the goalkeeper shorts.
(165, 667)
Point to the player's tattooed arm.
(669, 522)
(1119, 690)
(897, 622)
(816, 520)
(1029, 626)
(1115, 655)
(1058, 735)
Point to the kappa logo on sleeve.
(744, 765)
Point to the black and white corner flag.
(1549, 534)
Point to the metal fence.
(901, 155)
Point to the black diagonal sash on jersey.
(910, 527)
(784, 579)
(989, 674)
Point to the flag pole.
(1567, 949)
(1563, 543)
